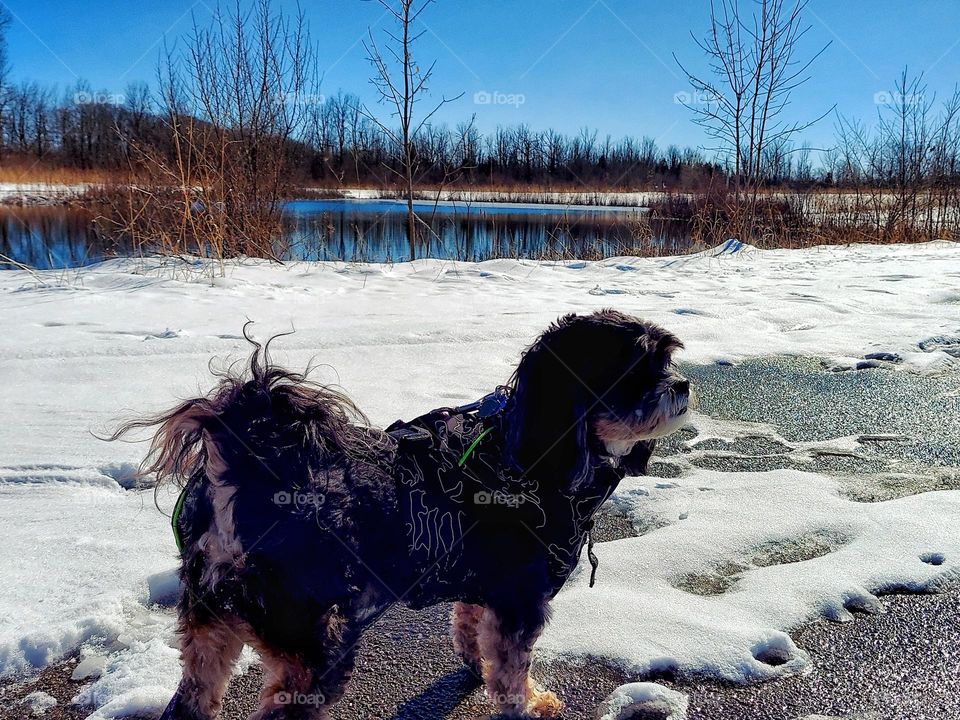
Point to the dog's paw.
(544, 704)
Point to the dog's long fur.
(301, 524)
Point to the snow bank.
(644, 700)
(88, 559)
(743, 558)
(75, 565)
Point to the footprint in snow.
(896, 277)
(933, 558)
(606, 291)
(949, 344)
(126, 474)
(165, 335)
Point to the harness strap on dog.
(591, 556)
(486, 407)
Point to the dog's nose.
(682, 386)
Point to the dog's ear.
(546, 420)
(636, 461)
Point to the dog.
(300, 524)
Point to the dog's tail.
(264, 418)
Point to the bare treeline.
(78, 127)
(353, 150)
(902, 176)
(335, 144)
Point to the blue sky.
(606, 64)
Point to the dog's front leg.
(464, 622)
(207, 654)
(506, 639)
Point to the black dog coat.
(456, 497)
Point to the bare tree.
(235, 101)
(401, 84)
(754, 67)
(5, 90)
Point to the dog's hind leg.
(207, 653)
(506, 642)
(464, 619)
(304, 685)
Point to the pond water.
(46, 237)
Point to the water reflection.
(375, 231)
(45, 237)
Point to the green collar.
(174, 519)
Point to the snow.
(646, 700)
(76, 557)
(89, 561)
(646, 613)
(39, 702)
(631, 199)
(39, 192)
(91, 666)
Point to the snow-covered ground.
(85, 560)
(39, 192)
(630, 199)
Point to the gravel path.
(900, 665)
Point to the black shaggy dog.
(300, 524)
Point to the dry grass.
(18, 170)
(796, 220)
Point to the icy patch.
(644, 701)
(950, 344)
(90, 667)
(709, 436)
(885, 357)
(39, 702)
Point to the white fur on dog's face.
(655, 420)
(670, 415)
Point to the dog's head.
(603, 382)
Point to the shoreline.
(35, 192)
